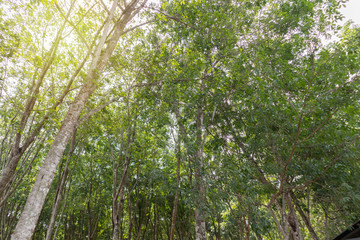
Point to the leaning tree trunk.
(30, 215)
(59, 193)
(304, 217)
(17, 151)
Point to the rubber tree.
(103, 51)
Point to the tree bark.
(59, 193)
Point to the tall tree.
(27, 222)
(225, 119)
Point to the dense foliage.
(208, 119)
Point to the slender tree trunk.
(88, 211)
(278, 224)
(142, 215)
(326, 225)
(8, 218)
(146, 226)
(200, 226)
(219, 220)
(118, 201)
(64, 206)
(284, 220)
(130, 216)
(292, 219)
(200, 230)
(156, 221)
(176, 200)
(30, 215)
(304, 217)
(57, 204)
(118, 193)
(174, 215)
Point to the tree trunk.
(118, 193)
(118, 201)
(304, 217)
(200, 230)
(292, 219)
(30, 215)
(27, 223)
(59, 193)
(130, 216)
(57, 204)
(176, 200)
(200, 233)
(17, 151)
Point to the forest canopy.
(178, 119)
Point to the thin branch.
(137, 26)
(94, 111)
(73, 25)
(352, 79)
(318, 128)
(283, 176)
(104, 5)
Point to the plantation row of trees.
(180, 119)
